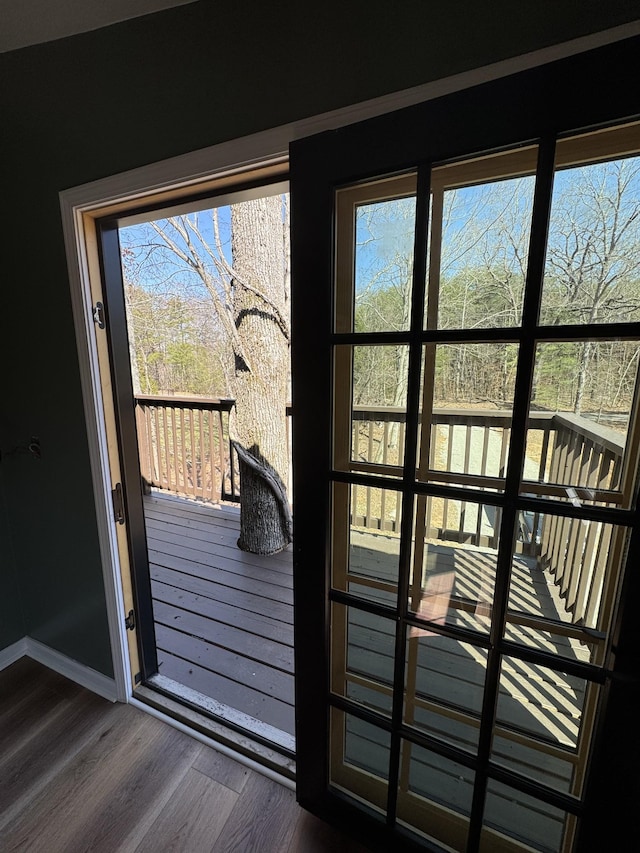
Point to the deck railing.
(573, 552)
(466, 447)
(185, 449)
(568, 457)
(184, 446)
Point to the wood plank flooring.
(223, 618)
(224, 626)
(78, 774)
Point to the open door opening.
(197, 317)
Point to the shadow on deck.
(224, 628)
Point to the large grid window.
(486, 342)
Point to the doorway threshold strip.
(255, 728)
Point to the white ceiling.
(26, 22)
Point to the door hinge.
(118, 504)
(130, 621)
(98, 315)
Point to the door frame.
(571, 95)
(81, 206)
(247, 183)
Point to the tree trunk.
(583, 372)
(133, 349)
(258, 422)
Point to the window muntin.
(525, 638)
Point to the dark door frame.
(119, 360)
(581, 93)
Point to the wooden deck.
(224, 625)
(223, 618)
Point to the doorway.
(193, 294)
(538, 108)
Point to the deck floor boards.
(224, 618)
(224, 622)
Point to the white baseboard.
(13, 653)
(71, 669)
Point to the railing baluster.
(578, 533)
(143, 444)
(573, 562)
(562, 440)
(486, 433)
(544, 452)
(575, 556)
(184, 442)
(589, 602)
(154, 417)
(171, 454)
(166, 419)
(188, 452)
(202, 468)
(184, 446)
(154, 477)
(571, 571)
(218, 483)
(445, 503)
(467, 459)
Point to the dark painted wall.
(12, 625)
(97, 104)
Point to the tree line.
(592, 276)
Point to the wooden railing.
(576, 553)
(184, 446)
(568, 457)
(467, 447)
(184, 449)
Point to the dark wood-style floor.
(78, 774)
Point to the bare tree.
(243, 266)
(592, 276)
(593, 257)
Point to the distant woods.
(207, 298)
(175, 346)
(479, 245)
(182, 337)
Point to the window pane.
(453, 584)
(362, 657)
(562, 593)
(380, 376)
(524, 819)
(592, 272)
(384, 265)
(468, 401)
(480, 226)
(537, 761)
(579, 417)
(374, 255)
(379, 407)
(444, 687)
(435, 796)
(359, 758)
(366, 548)
(540, 701)
(370, 408)
(378, 434)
